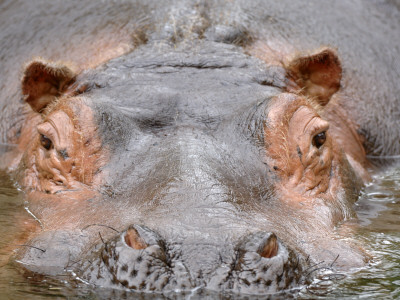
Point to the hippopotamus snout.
(140, 259)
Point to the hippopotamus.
(175, 146)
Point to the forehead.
(175, 117)
(203, 84)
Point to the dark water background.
(379, 228)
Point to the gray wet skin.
(187, 172)
(187, 110)
(182, 115)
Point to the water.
(378, 210)
(379, 229)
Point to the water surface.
(378, 227)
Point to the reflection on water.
(378, 210)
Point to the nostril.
(262, 244)
(134, 240)
(263, 264)
(136, 259)
(270, 247)
(139, 237)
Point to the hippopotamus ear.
(317, 75)
(44, 81)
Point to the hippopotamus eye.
(319, 139)
(45, 142)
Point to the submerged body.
(214, 154)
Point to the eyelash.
(319, 135)
(319, 139)
(45, 142)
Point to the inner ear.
(44, 81)
(317, 75)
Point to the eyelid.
(47, 130)
(317, 127)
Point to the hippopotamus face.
(190, 167)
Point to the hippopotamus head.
(190, 166)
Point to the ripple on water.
(378, 210)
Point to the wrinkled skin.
(210, 155)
